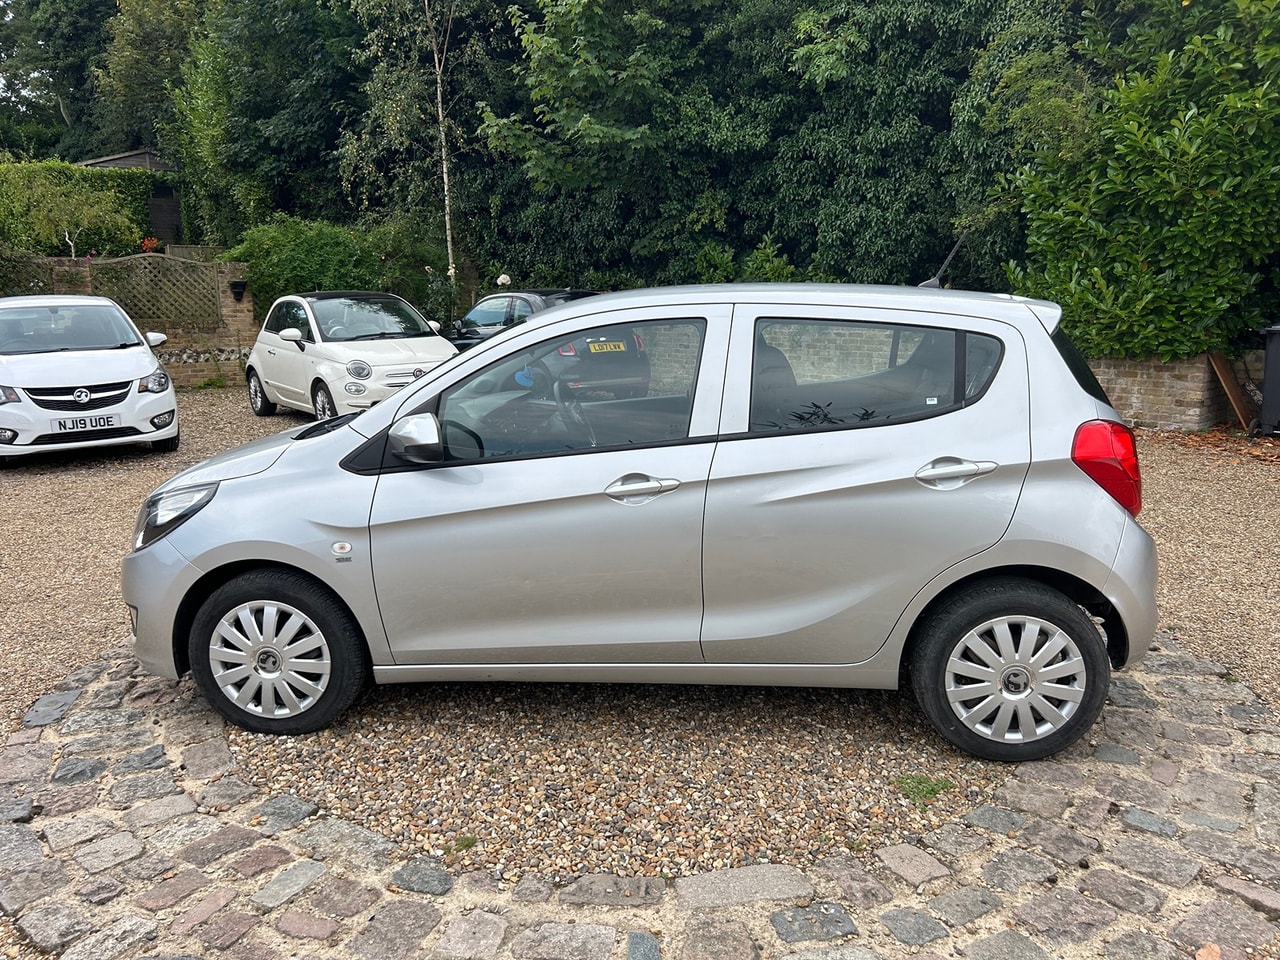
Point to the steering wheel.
(571, 411)
(336, 333)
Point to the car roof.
(999, 306)
(344, 294)
(56, 300)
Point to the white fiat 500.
(74, 373)
(818, 485)
(340, 352)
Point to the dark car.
(498, 311)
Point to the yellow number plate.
(610, 346)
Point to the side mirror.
(434, 325)
(416, 439)
(156, 339)
(291, 333)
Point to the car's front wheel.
(275, 652)
(167, 445)
(322, 402)
(259, 402)
(1011, 670)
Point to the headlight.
(156, 382)
(359, 369)
(9, 395)
(164, 512)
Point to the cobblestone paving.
(125, 832)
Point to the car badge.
(417, 372)
(81, 395)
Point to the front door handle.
(638, 488)
(948, 472)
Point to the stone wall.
(1178, 395)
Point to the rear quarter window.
(1079, 367)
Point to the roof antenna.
(936, 280)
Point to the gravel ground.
(560, 779)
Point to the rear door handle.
(638, 488)
(947, 472)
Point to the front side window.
(610, 386)
(810, 374)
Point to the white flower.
(504, 281)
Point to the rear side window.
(1079, 367)
(809, 374)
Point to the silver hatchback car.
(823, 485)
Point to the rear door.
(865, 451)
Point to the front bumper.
(153, 582)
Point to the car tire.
(1035, 662)
(275, 652)
(168, 444)
(322, 402)
(259, 402)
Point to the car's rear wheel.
(1011, 670)
(322, 402)
(259, 402)
(275, 652)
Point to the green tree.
(591, 71)
(50, 50)
(1157, 230)
(263, 99)
(150, 42)
(63, 213)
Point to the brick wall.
(1179, 395)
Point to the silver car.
(823, 485)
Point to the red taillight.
(1106, 451)
(567, 351)
(639, 341)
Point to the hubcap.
(1015, 679)
(270, 659)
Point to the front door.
(566, 524)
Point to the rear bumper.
(1131, 590)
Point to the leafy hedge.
(41, 203)
(291, 255)
(1158, 239)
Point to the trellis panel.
(161, 291)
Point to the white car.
(75, 372)
(340, 352)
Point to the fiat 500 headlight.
(359, 369)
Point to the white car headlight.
(164, 512)
(155, 382)
(359, 369)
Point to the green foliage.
(262, 101)
(49, 50)
(150, 41)
(1156, 237)
(57, 209)
(289, 255)
(592, 76)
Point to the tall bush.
(290, 255)
(1157, 237)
